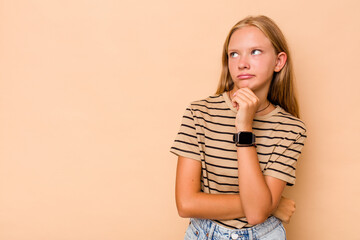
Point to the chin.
(244, 85)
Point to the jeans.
(202, 229)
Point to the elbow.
(255, 219)
(258, 216)
(183, 213)
(184, 208)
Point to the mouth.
(244, 76)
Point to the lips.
(244, 76)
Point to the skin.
(249, 52)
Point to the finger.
(250, 94)
(237, 102)
(242, 100)
(252, 98)
(246, 102)
(243, 95)
(248, 90)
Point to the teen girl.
(238, 148)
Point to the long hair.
(281, 90)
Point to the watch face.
(246, 138)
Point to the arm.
(191, 202)
(259, 195)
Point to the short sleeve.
(282, 163)
(186, 142)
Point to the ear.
(280, 61)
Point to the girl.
(238, 148)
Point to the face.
(252, 59)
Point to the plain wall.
(91, 98)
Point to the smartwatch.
(244, 139)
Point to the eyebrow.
(254, 47)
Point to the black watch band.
(244, 139)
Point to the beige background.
(91, 98)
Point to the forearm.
(255, 195)
(212, 206)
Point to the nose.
(243, 63)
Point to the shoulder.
(209, 102)
(212, 111)
(213, 104)
(292, 122)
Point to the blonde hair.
(281, 90)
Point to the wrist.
(244, 128)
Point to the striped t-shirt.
(206, 135)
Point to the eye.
(255, 52)
(233, 54)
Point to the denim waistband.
(255, 232)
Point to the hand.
(285, 209)
(246, 102)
